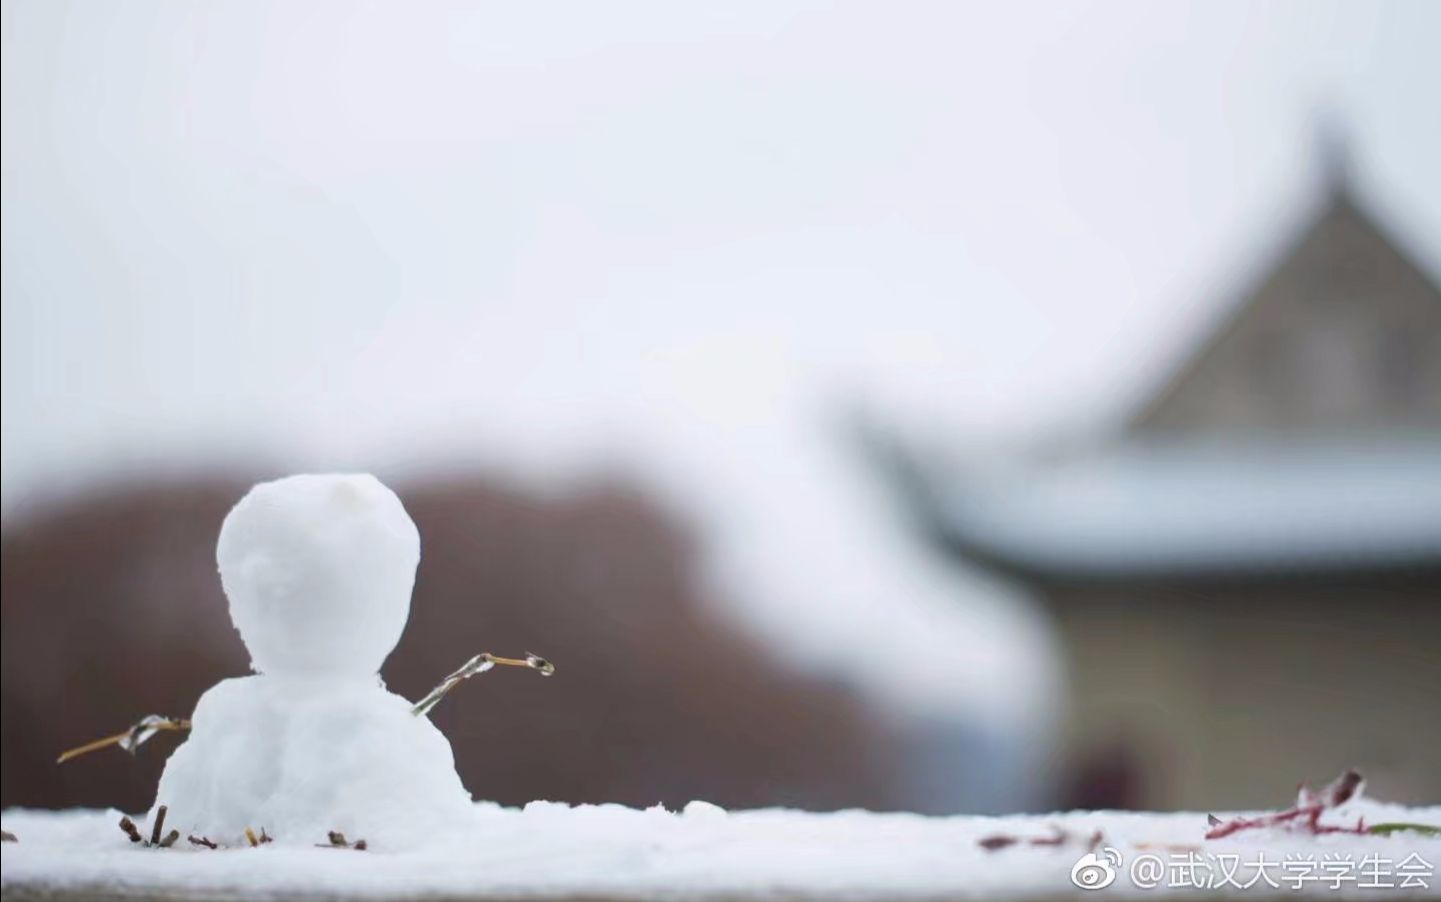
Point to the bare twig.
(130, 829)
(479, 664)
(129, 740)
(997, 841)
(156, 841)
(201, 841)
(338, 841)
(158, 826)
(1305, 816)
(1058, 837)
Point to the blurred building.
(1247, 574)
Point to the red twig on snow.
(1058, 837)
(1305, 816)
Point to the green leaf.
(1388, 829)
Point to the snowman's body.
(318, 571)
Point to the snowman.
(318, 571)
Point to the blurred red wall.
(112, 609)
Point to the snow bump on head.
(318, 570)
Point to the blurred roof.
(1302, 434)
(1140, 509)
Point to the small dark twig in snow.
(7, 836)
(158, 826)
(201, 841)
(1305, 817)
(338, 841)
(1057, 837)
(156, 841)
(130, 829)
(997, 841)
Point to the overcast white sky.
(662, 235)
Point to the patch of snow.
(549, 850)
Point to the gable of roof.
(1342, 334)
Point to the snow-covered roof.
(1139, 508)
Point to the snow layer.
(552, 850)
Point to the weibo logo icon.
(1094, 871)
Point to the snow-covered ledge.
(554, 851)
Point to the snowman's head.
(318, 570)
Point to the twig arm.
(130, 739)
(478, 664)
